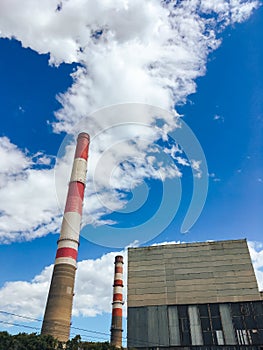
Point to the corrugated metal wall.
(195, 325)
(173, 320)
(231, 324)
(227, 324)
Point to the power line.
(18, 325)
(16, 315)
(143, 342)
(38, 328)
(39, 320)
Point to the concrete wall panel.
(174, 333)
(210, 272)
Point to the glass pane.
(245, 309)
(208, 338)
(235, 310)
(238, 322)
(203, 310)
(182, 310)
(258, 307)
(205, 324)
(216, 323)
(214, 310)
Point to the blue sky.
(217, 87)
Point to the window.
(244, 308)
(185, 334)
(214, 310)
(203, 310)
(242, 337)
(211, 324)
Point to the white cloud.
(256, 252)
(28, 207)
(129, 51)
(93, 290)
(94, 282)
(25, 298)
(167, 243)
(21, 109)
(13, 161)
(196, 166)
(33, 180)
(219, 118)
(214, 177)
(241, 10)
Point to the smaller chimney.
(116, 323)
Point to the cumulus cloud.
(28, 207)
(25, 298)
(13, 160)
(129, 51)
(94, 281)
(148, 52)
(93, 291)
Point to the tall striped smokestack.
(60, 298)
(116, 323)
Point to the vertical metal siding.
(137, 327)
(163, 325)
(227, 324)
(195, 325)
(173, 326)
(153, 333)
(142, 325)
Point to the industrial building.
(194, 296)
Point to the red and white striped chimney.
(116, 323)
(59, 303)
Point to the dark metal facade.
(225, 326)
(194, 296)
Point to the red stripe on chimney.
(82, 150)
(118, 283)
(118, 269)
(117, 312)
(75, 197)
(67, 253)
(117, 296)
